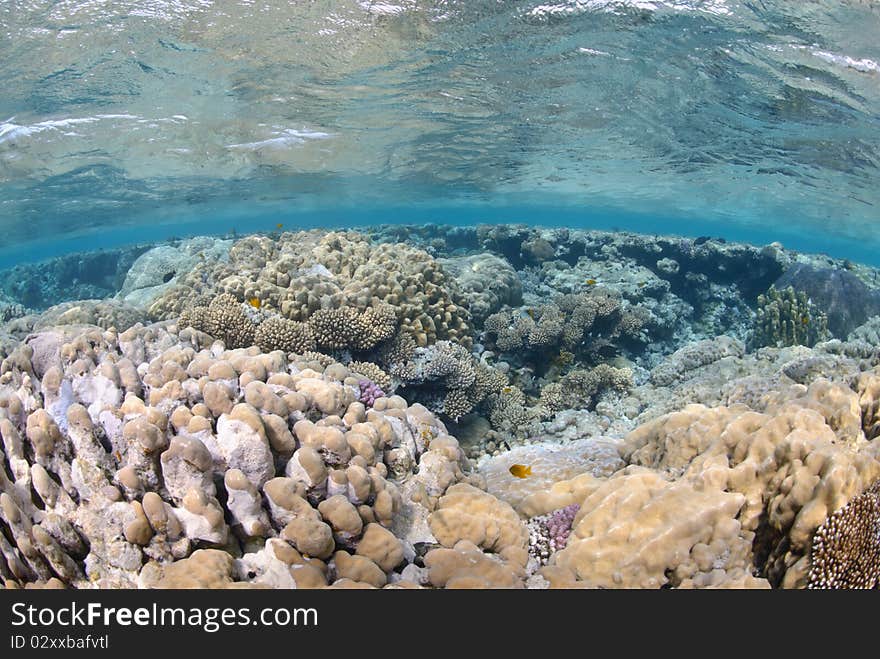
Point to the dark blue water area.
(170, 224)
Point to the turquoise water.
(130, 121)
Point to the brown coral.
(307, 272)
(277, 333)
(223, 318)
(846, 548)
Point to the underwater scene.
(440, 294)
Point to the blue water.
(135, 121)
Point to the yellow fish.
(805, 320)
(521, 471)
(280, 225)
(591, 282)
(255, 302)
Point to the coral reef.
(448, 379)
(162, 267)
(277, 333)
(304, 412)
(349, 282)
(549, 533)
(695, 356)
(224, 318)
(577, 388)
(842, 296)
(79, 276)
(10, 310)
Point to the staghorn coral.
(846, 549)
(786, 318)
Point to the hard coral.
(223, 318)
(786, 318)
(589, 324)
(301, 274)
(277, 333)
(846, 548)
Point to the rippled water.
(755, 120)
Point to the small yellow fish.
(641, 283)
(591, 282)
(507, 390)
(280, 225)
(255, 302)
(805, 320)
(531, 313)
(521, 471)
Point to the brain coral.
(300, 273)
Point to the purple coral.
(370, 391)
(549, 533)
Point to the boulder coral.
(713, 496)
(205, 466)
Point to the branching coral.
(578, 389)
(445, 376)
(590, 324)
(277, 333)
(549, 533)
(846, 548)
(240, 325)
(371, 372)
(787, 318)
(347, 328)
(223, 318)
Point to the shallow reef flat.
(336, 408)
